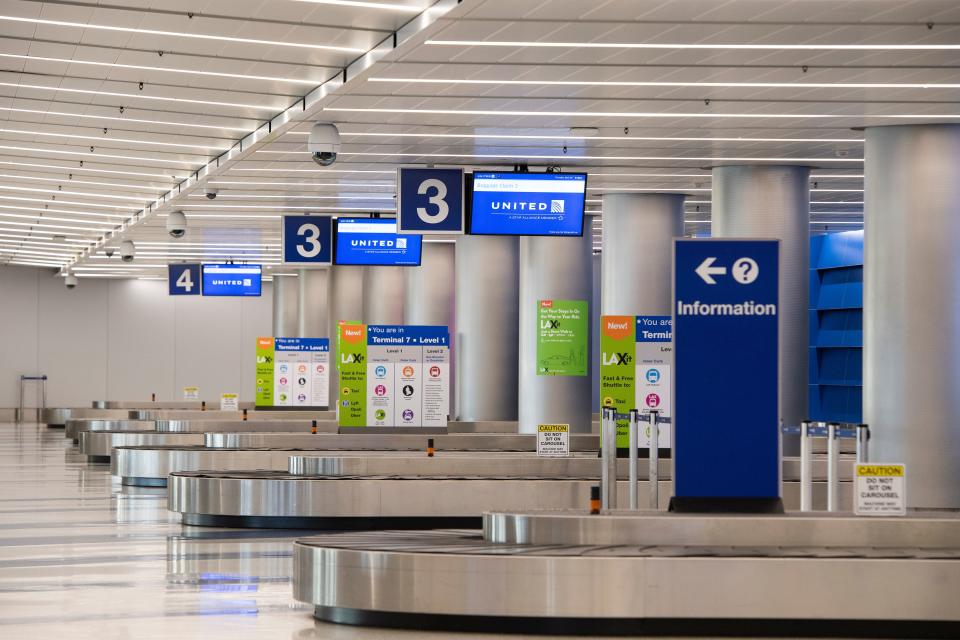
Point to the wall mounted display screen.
(374, 241)
(528, 204)
(232, 279)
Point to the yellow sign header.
(881, 470)
(560, 428)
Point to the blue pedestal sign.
(726, 375)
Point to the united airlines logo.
(556, 206)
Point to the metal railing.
(833, 432)
(608, 455)
(42, 379)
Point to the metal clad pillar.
(312, 318)
(770, 201)
(383, 295)
(911, 307)
(487, 292)
(637, 260)
(344, 302)
(285, 306)
(558, 269)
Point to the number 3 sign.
(307, 240)
(429, 200)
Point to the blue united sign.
(183, 279)
(307, 240)
(726, 375)
(429, 200)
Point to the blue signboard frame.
(726, 436)
(307, 240)
(430, 201)
(175, 273)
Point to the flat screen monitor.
(374, 241)
(232, 279)
(528, 204)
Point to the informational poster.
(553, 440)
(881, 490)
(562, 337)
(191, 393)
(635, 372)
(293, 372)
(392, 375)
(229, 402)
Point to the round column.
(769, 201)
(344, 302)
(487, 290)
(911, 307)
(553, 269)
(383, 295)
(312, 318)
(637, 260)
(285, 306)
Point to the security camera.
(127, 250)
(109, 251)
(177, 224)
(324, 143)
(71, 281)
(211, 194)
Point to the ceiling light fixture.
(137, 96)
(106, 139)
(584, 136)
(137, 120)
(534, 158)
(90, 154)
(697, 45)
(627, 83)
(360, 4)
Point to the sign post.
(726, 410)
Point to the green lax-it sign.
(264, 387)
(618, 354)
(352, 362)
(562, 335)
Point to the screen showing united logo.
(434, 371)
(408, 371)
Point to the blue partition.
(836, 327)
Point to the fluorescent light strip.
(38, 263)
(631, 114)
(178, 34)
(83, 194)
(278, 208)
(137, 120)
(582, 157)
(137, 96)
(7, 234)
(40, 220)
(391, 184)
(90, 170)
(71, 202)
(233, 245)
(732, 85)
(36, 243)
(373, 196)
(104, 139)
(42, 226)
(39, 230)
(274, 170)
(360, 4)
(494, 136)
(71, 181)
(90, 154)
(702, 46)
(238, 76)
(46, 209)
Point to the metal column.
(770, 201)
(312, 318)
(285, 305)
(558, 269)
(487, 291)
(383, 295)
(911, 307)
(344, 303)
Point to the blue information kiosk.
(726, 376)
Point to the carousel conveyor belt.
(458, 580)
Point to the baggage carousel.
(98, 445)
(75, 426)
(58, 418)
(646, 573)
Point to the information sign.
(553, 440)
(229, 402)
(191, 393)
(562, 334)
(881, 490)
(307, 240)
(429, 200)
(183, 279)
(293, 372)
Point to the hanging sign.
(307, 240)
(394, 375)
(293, 372)
(429, 200)
(562, 334)
(183, 279)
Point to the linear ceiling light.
(698, 45)
(72, 181)
(40, 224)
(583, 157)
(71, 202)
(496, 136)
(46, 209)
(361, 4)
(105, 139)
(92, 170)
(627, 83)
(630, 114)
(82, 194)
(89, 154)
(180, 34)
(119, 119)
(217, 74)
(245, 183)
(137, 96)
(276, 170)
(372, 196)
(39, 219)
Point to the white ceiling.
(673, 86)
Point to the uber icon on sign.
(429, 200)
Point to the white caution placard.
(191, 393)
(880, 490)
(553, 440)
(229, 402)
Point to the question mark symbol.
(745, 270)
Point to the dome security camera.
(71, 281)
(127, 250)
(211, 194)
(177, 224)
(109, 251)
(324, 143)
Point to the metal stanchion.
(42, 379)
(634, 443)
(863, 437)
(806, 468)
(833, 450)
(653, 473)
(608, 453)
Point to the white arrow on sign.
(706, 270)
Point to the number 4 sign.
(183, 279)
(429, 200)
(307, 240)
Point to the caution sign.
(553, 440)
(881, 490)
(191, 393)
(229, 402)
